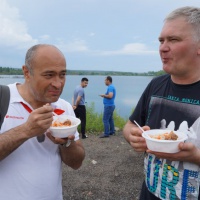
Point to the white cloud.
(44, 37)
(77, 45)
(104, 34)
(91, 34)
(131, 49)
(13, 31)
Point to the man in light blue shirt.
(109, 107)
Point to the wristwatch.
(67, 144)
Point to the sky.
(108, 35)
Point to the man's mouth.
(54, 92)
(165, 60)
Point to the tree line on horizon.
(18, 71)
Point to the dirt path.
(111, 171)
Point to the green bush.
(94, 123)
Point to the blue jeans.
(109, 127)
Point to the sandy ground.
(110, 171)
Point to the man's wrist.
(67, 144)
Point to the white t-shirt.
(33, 171)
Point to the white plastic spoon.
(139, 126)
(55, 114)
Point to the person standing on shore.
(31, 169)
(172, 101)
(109, 107)
(78, 103)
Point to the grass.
(94, 123)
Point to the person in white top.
(30, 157)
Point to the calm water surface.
(129, 90)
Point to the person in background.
(109, 107)
(172, 101)
(32, 169)
(78, 103)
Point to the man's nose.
(164, 46)
(57, 82)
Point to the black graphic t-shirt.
(166, 105)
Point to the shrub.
(94, 123)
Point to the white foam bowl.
(63, 132)
(167, 146)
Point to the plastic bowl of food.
(162, 140)
(64, 125)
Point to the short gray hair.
(30, 55)
(191, 15)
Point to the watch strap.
(67, 144)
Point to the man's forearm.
(78, 100)
(108, 96)
(73, 155)
(77, 103)
(11, 140)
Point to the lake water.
(129, 90)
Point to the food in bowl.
(58, 123)
(161, 145)
(64, 125)
(165, 136)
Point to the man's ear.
(26, 71)
(198, 51)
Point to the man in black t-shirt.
(172, 101)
